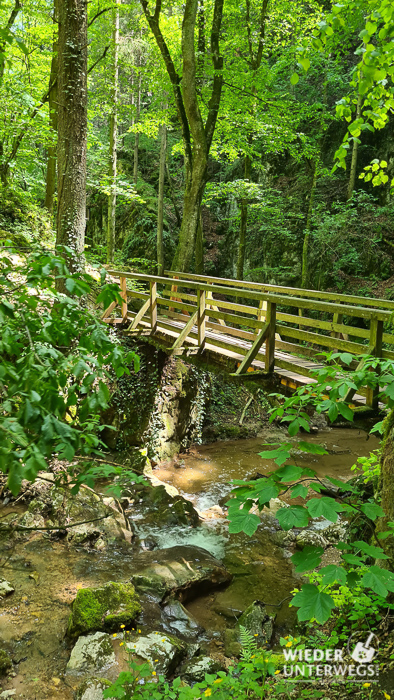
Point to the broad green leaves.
(313, 604)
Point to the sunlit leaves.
(313, 604)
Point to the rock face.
(164, 509)
(257, 622)
(103, 608)
(92, 689)
(163, 651)
(91, 655)
(180, 621)
(180, 572)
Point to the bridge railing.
(188, 307)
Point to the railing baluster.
(123, 294)
(270, 342)
(201, 318)
(153, 306)
(375, 349)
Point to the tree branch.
(217, 61)
(14, 13)
(103, 55)
(106, 9)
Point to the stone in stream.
(257, 622)
(181, 572)
(103, 608)
(163, 509)
(91, 655)
(195, 669)
(5, 588)
(92, 689)
(163, 651)
(180, 621)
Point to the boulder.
(91, 655)
(311, 537)
(92, 689)
(103, 608)
(194, 670)
(257, 622)
(163, 509)
(163, 651)
(5, 588)
(180, 621)
(180, 572)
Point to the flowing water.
(46, 574)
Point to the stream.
(46, 574)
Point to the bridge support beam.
(270, 342)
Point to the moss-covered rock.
(194, 670)
(103, 608)
(92, 689)
(5, 662)
(163, 651)
(91, 655)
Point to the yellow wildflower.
(289, 644)
(156, 660)
(122, 627)
(218, 680)
(153, 673)
(121, 644)
(114, 635)
(208, 692)
(277, 671)
(255, 635)
(386, 696)
(139, 631)
(366, 685)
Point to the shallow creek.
(47, 574)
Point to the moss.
(5, 662)
(103, 608)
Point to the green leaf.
(313, 604)
(243, 521)
(312, 448)
(380, 580)
(294, 516)
(309, 558)
(371, 550)
(345, 411)
(294, 427)
(325, 507)
(299, 490)
(372, 510)
(288, 473)
(333, 574)
(279, 455)
(294, 79)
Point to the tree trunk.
(194, 189)
(137, 117)
(243, 225)
(353, 165)
(160, 207)
(200, 248)
(308, 225)
(72, 133)
(113, 128)
(53, 116)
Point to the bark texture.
(53, 115)
(113, 134)
(160, 207)
(72, 131)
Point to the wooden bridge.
(253, 327)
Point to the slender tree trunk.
(353, 165)
(200, 248)
(113, 129)
(137, 116)
(243, 225)
(194, 189)
(53, 116)
(172, 195)
(72, 133)
(308, 225)
(160, 208)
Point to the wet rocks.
(163, 651)
(103, 608)
(195, 669)
(5, 588)
(180, 572)
(91, 655)
(257, 622)
(310, 537)
(92, 689)
(180, 621)
(163, 509)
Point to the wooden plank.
(153, 306)
(239, 320)
(324, 325)
(250, 356)
(375, 343)
(109, 310)
(318, 339)
(210, 305)
(137, 318)
(185, 332)
(354, 311)
(293, 291)
(123, 294)
(201, 319)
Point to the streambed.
(46, 574)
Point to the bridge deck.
(254, 327)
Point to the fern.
(248, 643)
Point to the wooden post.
(153, 306)
(270, 342)
(201, 318)
(262, 311)
(375, 348)
(123, 294)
